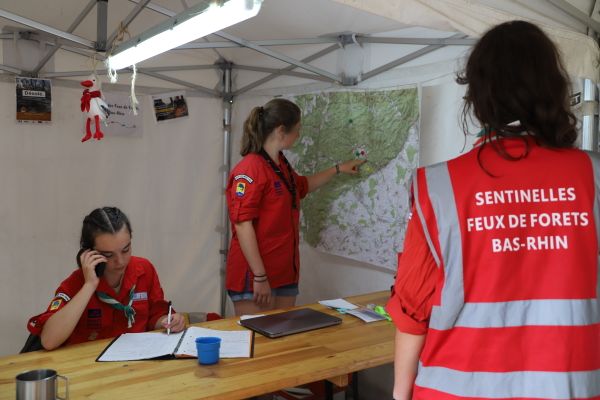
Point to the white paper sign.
(122, 121)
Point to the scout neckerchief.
(128, 310)
(291, 186)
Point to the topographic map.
(361, 217)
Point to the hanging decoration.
(93, 104)
(112, 73)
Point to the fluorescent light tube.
(193, 23)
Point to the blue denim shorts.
(247, 294)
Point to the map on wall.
(361, 217)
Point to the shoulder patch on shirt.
(140, 296)
(55, 304)
(242, 176)
(63, 296)
(240, 188)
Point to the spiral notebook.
(160, 346)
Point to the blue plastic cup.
(208, 349)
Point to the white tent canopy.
(304, 28)
(563, 21)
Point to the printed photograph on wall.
(170, 105)
(34, 100)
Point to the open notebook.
(160, 346)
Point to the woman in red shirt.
(263, 196)
(111, 293)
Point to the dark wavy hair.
(514, 72)
(102, 220)
(263, 120)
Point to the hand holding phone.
(99, 268)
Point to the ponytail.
(253, 137)
(262, 121)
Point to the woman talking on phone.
(111, 293)
(263, 196)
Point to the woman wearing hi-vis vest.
(497, 291)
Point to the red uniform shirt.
(416, 279)
(256, 193)
(99, 320)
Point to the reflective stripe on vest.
(522, 384)
(452, 312)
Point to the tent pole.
(576, 13)
(274, 75)
(278, 56)
(71, 29)
(407, 58)
(48, 29)
(125, 23)
(12, 70)
(178, 82)
(101, 23)
(227, 106)
(589, 120)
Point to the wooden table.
(329, 353)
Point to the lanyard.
(291, 186)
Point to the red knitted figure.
(94, 105)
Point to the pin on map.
(360, 153)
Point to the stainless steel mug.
(40, 384)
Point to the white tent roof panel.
(291, 19)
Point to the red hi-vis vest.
(516, 313)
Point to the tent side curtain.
(580, 52)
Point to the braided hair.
(102, 220)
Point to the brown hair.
(263, 120)
(102, 220)
(515, 73)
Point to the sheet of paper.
(366, 315)
(338, 303)
(141, 346)
(249, 316)
(233, 343)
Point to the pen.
(169, 318)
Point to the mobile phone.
(99, 268)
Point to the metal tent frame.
(70, 42)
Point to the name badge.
(140, 296)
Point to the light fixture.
(191, 24)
